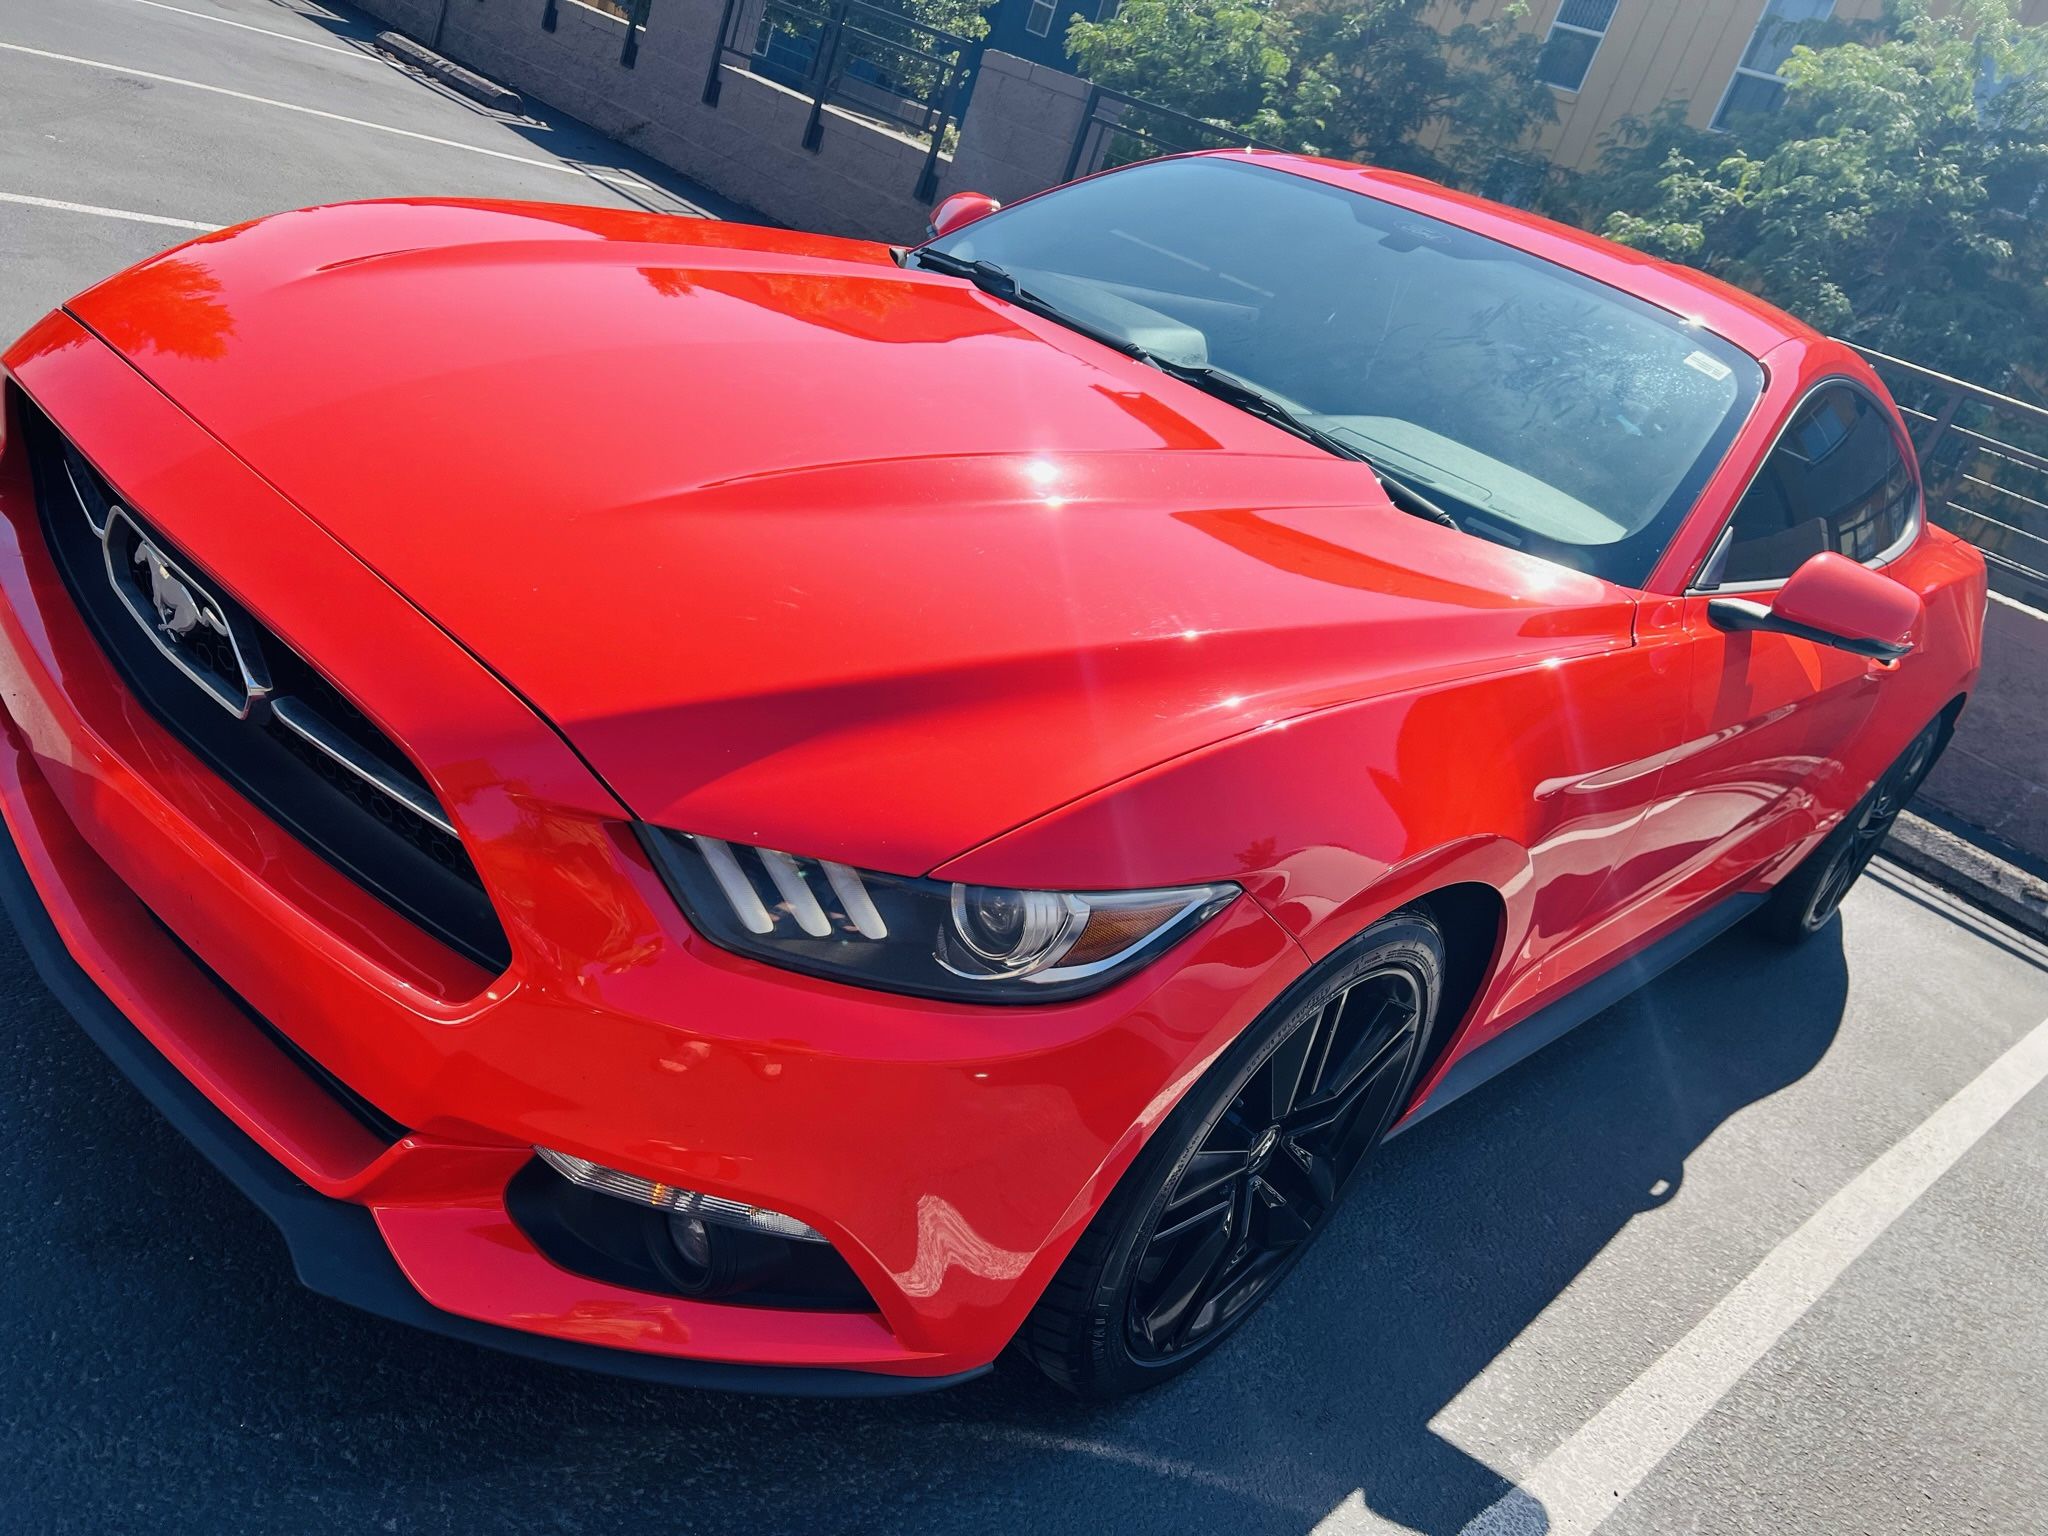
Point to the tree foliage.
(964, 18)
(1899, 198)
(1223, 60)
(1361, 79)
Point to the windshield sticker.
(1710, 365)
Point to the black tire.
(1808, 899)
(1308, 1090)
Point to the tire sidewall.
(1410, 939)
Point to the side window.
(1836, 481)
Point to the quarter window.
(1758, 86)
(1574, 38)
(1836, 481)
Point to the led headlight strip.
(931, 937)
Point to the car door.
(1770, 717)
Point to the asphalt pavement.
(1760, 1249)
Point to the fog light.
(691, 1240)
(682, 1202)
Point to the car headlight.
(934, 938)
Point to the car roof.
(1749, 322)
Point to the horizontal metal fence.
(868, 59)
(1118, 130)
(1984, 457)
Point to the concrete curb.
(1980, 878)
(449, 73)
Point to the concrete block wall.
(1019, 130)
(861, 181)
(1995, 774)
(415, 18)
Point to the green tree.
(1899, 198)
(1360, 79)
(1223, 60)
(1374, 77)
(964, 17)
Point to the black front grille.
(376, 821)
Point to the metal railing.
(1117, 129)
(867, 59)
(1984, 458)
(632, 12)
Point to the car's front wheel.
(1246, 1172)
(1807, 900)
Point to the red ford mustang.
(762, 810)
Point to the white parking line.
(289, 37)
(106, 213)
(1578, 1485)
(615, 178)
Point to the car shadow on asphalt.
(183, 1382)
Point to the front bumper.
(950, 1154)
(334, 1244)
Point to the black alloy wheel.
(1808, 899)
(1271, 1168)
(1247, 1170)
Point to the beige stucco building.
(1613, 59)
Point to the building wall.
(1995, 773)
(1655, 51)
(1009, 29)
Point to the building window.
(1757, 85)
(1574, 39)
(1108, 9)
(1039, 22)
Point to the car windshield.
(1540, 408)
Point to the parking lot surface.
(1760, 1249)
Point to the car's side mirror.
(1832, 600)
(960, 210)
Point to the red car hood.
(798, 547)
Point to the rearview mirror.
(960, 210)
(1831, 600)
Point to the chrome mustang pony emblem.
(178, 612)
(175, 610)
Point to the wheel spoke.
(1194, 1316)
(1349, 1139)
(1181, 1257)
(1284, 1224)
(1207, 1170)
(1833, 887)
(1390, 1025)
(1328, 1022)
(1274, 1162)
(1177, 1296)
(1216, 1212)
(1302, 1167)
(1326, 1112)
(1288, 1064)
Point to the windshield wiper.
(1000, 282)
(1003, 284)
(1409, 498)
(1247, 396)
